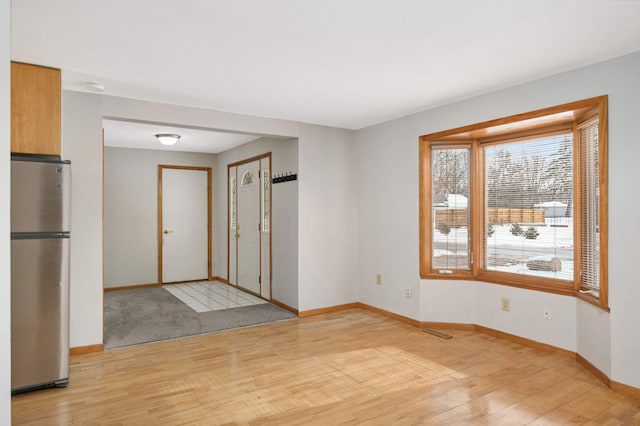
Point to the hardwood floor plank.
(347, 367)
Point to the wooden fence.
(499, 216)
(453, 218)
(456, 218)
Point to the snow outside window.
(451, 220)
(528, 207)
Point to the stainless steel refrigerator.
(39, 272)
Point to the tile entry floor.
(206, 296)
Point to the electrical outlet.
(506, 304)
(379, 279)
(547, 313)
(408, 292)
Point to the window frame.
(459, 274)
(561, 118)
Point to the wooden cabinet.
(35, 109)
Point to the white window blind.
(528, 211)
(589, 202)
(450, 177)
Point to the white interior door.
(184, 225)
(248, 226)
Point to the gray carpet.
(151, 314)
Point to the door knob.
(237, 235)
(166, 231)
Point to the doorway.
(136, 307)
(249, 230)
(184, 224)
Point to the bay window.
(519, 201)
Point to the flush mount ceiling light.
(167, 138)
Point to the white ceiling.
(344, 63)
(126, 134)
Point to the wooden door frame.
(161, 167)
(229, 167)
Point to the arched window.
(247, 178)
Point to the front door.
(184, 223)
(248, 226)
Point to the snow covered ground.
(521, 268)
(549, 237)
(508, 253)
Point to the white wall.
(388, 222)
(481, 304)
(465, 311)
(594, 335)
(115, 107)
(82, 144)
(387, 176)
(326, 217)
(284, 225)
(469, 302)
(621, 78)
(525, 316)
(131, 211)
(284, 158)
(5, 260)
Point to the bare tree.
(559, 174)
(449, 172)
(515, 182)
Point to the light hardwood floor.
(350, 367)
